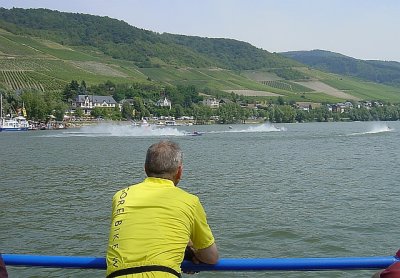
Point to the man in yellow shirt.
(154, 221)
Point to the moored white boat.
(170, 123)
(12, 123)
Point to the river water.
(282, 190)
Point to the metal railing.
(224, 264)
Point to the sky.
(362, 29)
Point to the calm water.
(295, 190)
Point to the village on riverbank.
(92, 109)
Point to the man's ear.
(179, 172)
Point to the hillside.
(231, 54)
(44, 50)
(385, 72)
(119, 40)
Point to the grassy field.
(359, 89)
(260, 75)
(369, 91)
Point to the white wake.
(266, 127)
(375, 129)
(122, 130)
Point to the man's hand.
(191, 256)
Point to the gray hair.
(163, 159)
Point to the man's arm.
(208, 255)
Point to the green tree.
(79, 112)
(278, 114)
(179, 111)
(99, 112)
(301, 116)
(59, 110)
(244, 114)
(229, 113)
(391, 113)
(35, 105)
(82, 88)
(289, 114)
(263, 113)
(201, 113)
(71, 91)
(114, 114)
(321, 114)
(140, 109)
(280, 101)
(127, 110)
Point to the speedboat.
(194, 133)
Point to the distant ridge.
(146, 48)
(233, 54)
(385, 72)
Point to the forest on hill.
(120, 40)
(385, 72)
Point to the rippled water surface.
(294, 190)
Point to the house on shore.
(88, 102)
(213, 103)
(307, 106)
(164, 103)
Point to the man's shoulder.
(124, 190)
(182, 196)
(186, 193)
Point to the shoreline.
(78, 124)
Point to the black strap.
(145, 268)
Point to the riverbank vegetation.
(137, 101)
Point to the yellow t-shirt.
(152, 223)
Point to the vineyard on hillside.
(21, 79)
(287, 86)
(23, 73)
(17, 80)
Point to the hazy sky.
(363, 29)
